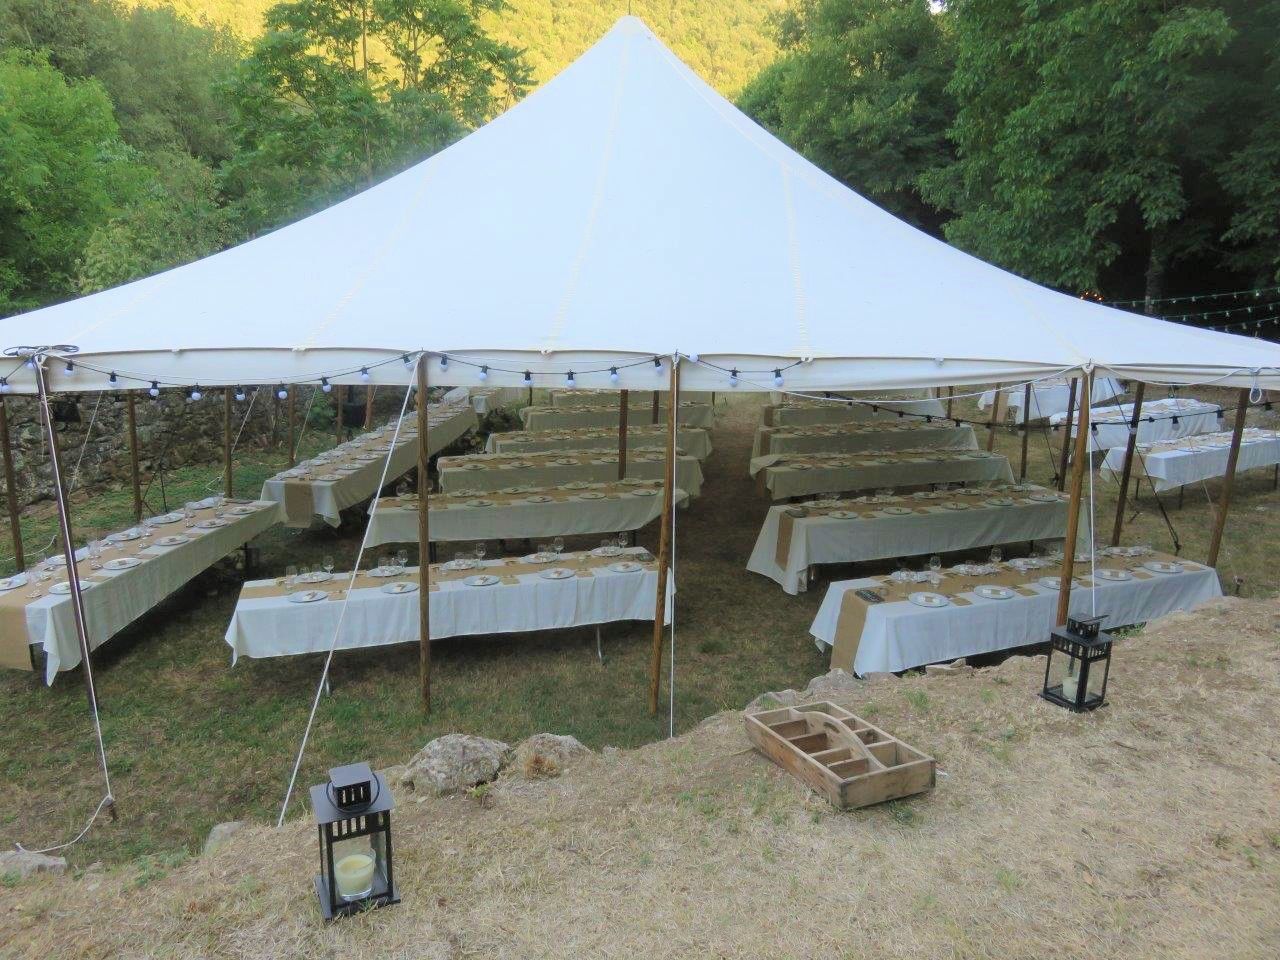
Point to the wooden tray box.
(846, 759)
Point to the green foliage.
(861, 91)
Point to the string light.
(195, 392)
(657, 365)
(364, 374)
(240, 394)
(155, 389)
(733, 377)
(407, 361)
(571, 381)
(444, 362)
(484, 373)
(282, 392)
(4, 385)
(777, 378)
(325, 385)
(528, 379)
(613, 374)
(114, 380)
(71, 369)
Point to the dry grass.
(1148, 829)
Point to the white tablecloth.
(330, 498)
(1049, 397)
(1202, 457)
(694, 441)
(570, 418)
(118, 598)
(453, 521)
(824, 539)
(498, 474)
(276, 626)
(900, 635)
(854, 437)
(808, 412)
(1194, 416)
(636, 399)
(839, 472)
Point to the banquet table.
(799, 475)
(692, 440)
(1048, 397)
(266, 623)
(1176, 463)
(484, 472)
(898, 634)
(854, 437)
(352, 472)
(1194, 416)
(806, 412)
(636, 399)
(690, 414)
(523, 513)
(794, 538)
(115, 598)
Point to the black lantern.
(353, 814)
(1075, 675)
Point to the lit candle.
(1069, 684)
(354, 874)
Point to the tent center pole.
(135, 473)
(664, 539)
(1066, 434)
(1073, 505)
(424, 540)
(1026, 432)
(624, 404)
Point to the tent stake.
(1228, 481)
(293, 440)
(11, 489)
(664, 538)
(424, 541)
(135, 473)
(995, 419)
(1073, 506)
(1066, 434)
(624, 404)
(226, 442)
(1129, 446)
(1026, 431)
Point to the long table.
(352, 472)
(483, 472)
(115, 598)
(1203, 457)
(1049, 397)
(694, 441)
(794, 538)
(1112, 422)
(266, 623)
(855, 437)
(523, 513)
(691, 414)
(798, 475)
(810, 411)
(897, 634)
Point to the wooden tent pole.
(1026, 431)
(228, 484)
(951, 400)
(1224, 500)
(995, 419)
(135, 472)
(1066, 431)
(424, 540)
(1073, 505)
(11, 489)
(1127, 471)
(624, 403)
(337, 420)
(368, 406)
(293, 439)
(664, 541)
(655, 408)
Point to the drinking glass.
(147, 530)
(481, 549)
(622, 539)
(383, 562)
(189, 513)
(328, 564)
(290, 578)
(557, 545)
(935, 564)
(996, 555)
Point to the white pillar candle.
(354, 875)
(1069, 685)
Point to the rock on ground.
(220, 834)
(548, 754)
(453, 762)
(837, 684)
(24, 864)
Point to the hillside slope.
(725, 41)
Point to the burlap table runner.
(853, 609)
(15, 646)
(1199, 442)
(608, 491)
(860, 458)
(582, 563)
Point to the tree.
(1088, 130)
(861, 91)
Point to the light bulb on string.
(240, 394)
(4, 385)
(528, 379)
(364, 374)
(325, 385)
(613, 374)
(777, 379)
(155, 389)
(196, 393)
(657, 366)
(71, 369)
(407, 361)
(282, 392)
(693, 358)
(113, 379)
(444, 362)
(484, 373)
(733, 378)
(570, 381)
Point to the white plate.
(400, 586)
(1162, 566)
(480, 503)
(538, 499)
(484, 580)
(625, 566)
(999, 502)
(460, 564)
(843, 515)
(165, 518)
(9, 583)
(519, 464)
(539, 558)
(307, 596)
(643, 493)
(897, 511)
(926, 598)
(62, 587)
(955, 505)
(1043, 497)
(633, 481)
(591, 495)
(577, 485)
(121, 563)
(212, 524)
(607, 552)
(472, 466)
(1053, 583)
(800, 466)
(608, 459)
(318, 576)
(556, 573)
(124, 536)
(329, 477)
(207, 502)
(173, 541)
(1108, 573)
(383, 572)
(993, 592)
(243, 510)
(564, 461)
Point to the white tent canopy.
(623, 211)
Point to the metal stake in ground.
(664, 540)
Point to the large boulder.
(456, 761)
(23, 864)
(773, 700)
(837, 684)
(548, 755)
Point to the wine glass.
(480, 550)
(189, 513)
(290, 578)
(622, 539)
(935, 564)
(996, 555)
(328, 564)
(557, 545)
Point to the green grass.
(194, 741)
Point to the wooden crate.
(849, 761)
